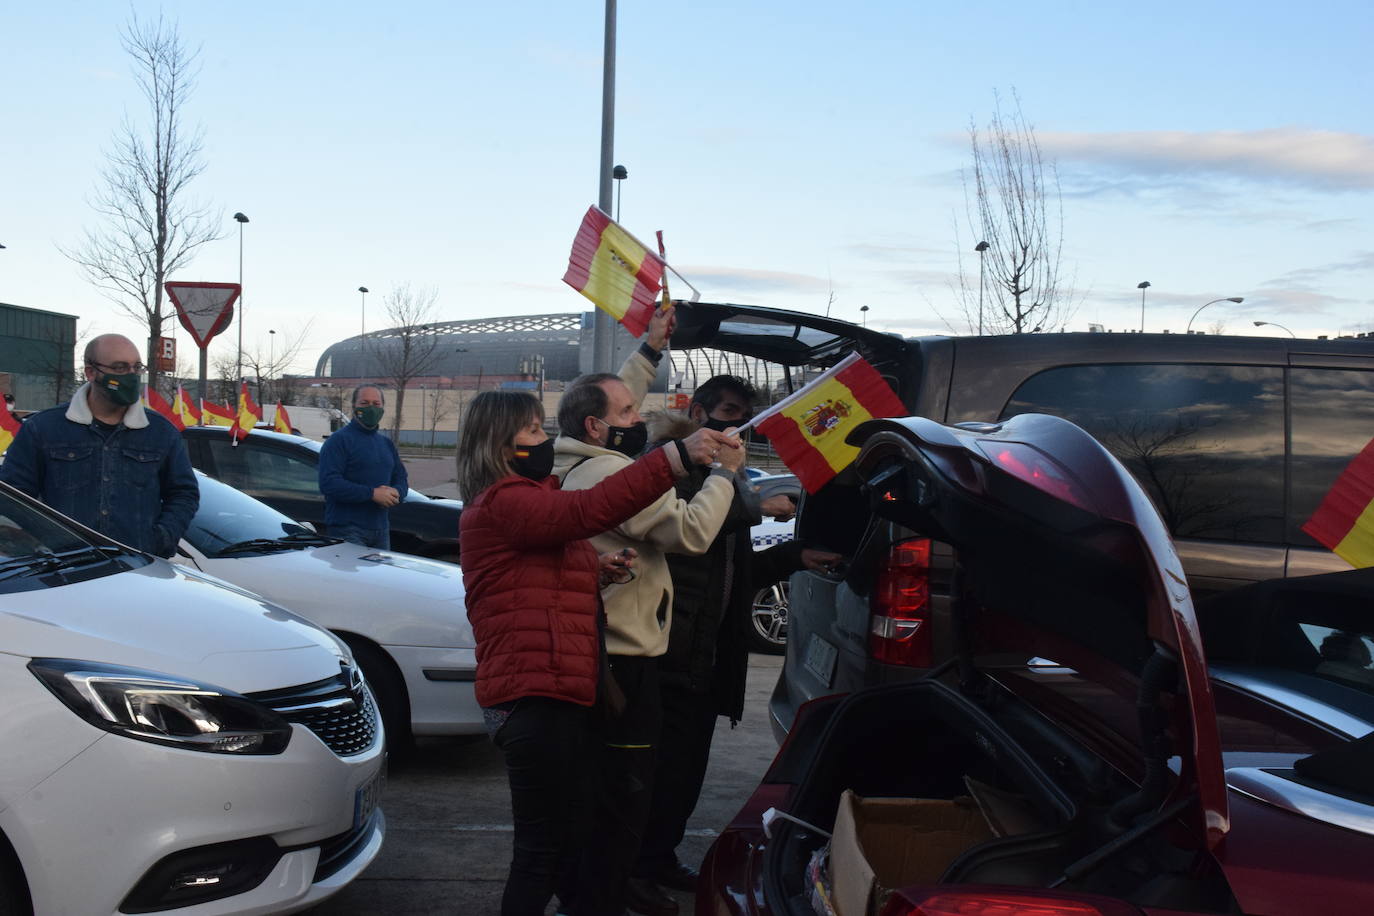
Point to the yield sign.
(204, 309)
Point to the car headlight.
(163, 709)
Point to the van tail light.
(999, 902)
(899, 628)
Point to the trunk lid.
(1059, 542)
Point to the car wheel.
(389, 689)
(768, 634)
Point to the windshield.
(38, 551)
(227, 517)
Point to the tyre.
(389, 690)
(768, 633)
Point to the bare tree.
(440, 409)
(410, 347)
(148, 227)
(1013, 204)
(269, 366)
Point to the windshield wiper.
(47, 562)
(307, 538)
(257, 545)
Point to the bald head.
(110, 350)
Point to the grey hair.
(490, 424)
(380, 393)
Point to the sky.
(799, 155)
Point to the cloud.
(749, 280)
(891, 253)
(1307, 278)
(1314, 159)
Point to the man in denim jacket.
(105, 460)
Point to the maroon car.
(1099, 766)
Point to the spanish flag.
(613, 270)
(157, 402)
(9, 426)
(249, 413)
(281, 420)
(808, 428)
(185, 409)
(1344, 521)
(213, 414)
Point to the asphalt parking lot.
(448, 839)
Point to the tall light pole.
(1142, 286)
(362, 333)
(241, 220)
(982, 249)
(1235, 299)
(271, 351)
(863, 310)
(603, 342)
(1275, 324)
(619, 173)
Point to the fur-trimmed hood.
(669, 424)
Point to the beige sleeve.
(676, 525)
(638, 374)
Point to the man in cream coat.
(601, 432)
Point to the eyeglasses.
(121, 368)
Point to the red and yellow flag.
(249, 413)
(1344, 521)
(213, 414)
(185, 409)
(9, 426)
(614, 271)
(157, 402)
(281, 420)
(808, 428)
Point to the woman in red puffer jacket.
(533, 599)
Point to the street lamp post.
(1142, 286)
(1275, 324)
(362, 332)
(1235, 299)
(271, 355)
(863, 309)
(603, 330)
(241, 219)
(982, 249)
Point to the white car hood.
(395, 598)
(170, 620)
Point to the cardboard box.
(881, 844)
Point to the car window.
(1345, 655)
(1206, 442)
(267, 473)
(227, 516)
(25, 532)
(1332, 420)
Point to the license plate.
(820, 659)
(366, 798)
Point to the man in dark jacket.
(703, 673)
(361, 475)
(107, 461)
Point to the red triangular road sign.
(204, 309)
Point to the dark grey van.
(1236, 439)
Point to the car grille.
(339, 710)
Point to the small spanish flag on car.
(185, 408)
(9, 426)
(609, 267)
(249, 414)
(808, 428)
(158, 403)
(1344, 521)
(213, 414)
(281, 420)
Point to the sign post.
(204, 310)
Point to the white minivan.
(170, 744)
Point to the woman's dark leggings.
(549, 755)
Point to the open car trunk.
(1104, 764)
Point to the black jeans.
(627, 757)
(689, 723)
(550, 756)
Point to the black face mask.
(533, 461)
(719, 426)
(628, 440)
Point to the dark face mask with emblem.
(122, 389)
(628, 440)
(533, 461)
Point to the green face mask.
(371, 417)
(122, 389)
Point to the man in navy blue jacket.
(361, 475)
(107, 461)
